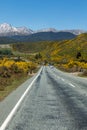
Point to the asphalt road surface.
(56, 101)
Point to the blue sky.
(38, 14)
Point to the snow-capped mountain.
(75, 31)
(5, 28)
(8, 30)
(24, 30)
(47, 30)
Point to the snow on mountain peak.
(24, 30)
(8, 30)
(75, 31)
(5, 27)
(47, 30)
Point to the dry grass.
(14, 83)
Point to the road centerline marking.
(72, 85)
(62, 79)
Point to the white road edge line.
(9, 117)
(62, 79)
(72, 85)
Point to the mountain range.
(10, 34)
(8, 30)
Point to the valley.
(23, 55)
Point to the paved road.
(57, 101)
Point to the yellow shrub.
(17, 67)
(23, 65)
(9, 63)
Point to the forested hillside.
(66, 48)
(23, 57)
(69, 54)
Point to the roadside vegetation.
(21, 60)
(13, 73)
(68, 55)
